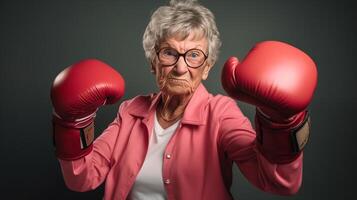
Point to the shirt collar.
(194, 112)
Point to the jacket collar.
(194, 112)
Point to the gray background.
(40, 38)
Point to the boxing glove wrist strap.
(72, 142)
(282, 142)
(74, 123)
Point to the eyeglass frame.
(183, 55)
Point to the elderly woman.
(181, 142)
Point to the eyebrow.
(166, 43)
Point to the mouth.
(178, 82)
(177, 79)
(176, 85)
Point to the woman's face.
(179, 79)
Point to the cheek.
(163, 71)
(205, 71)
(197, 76)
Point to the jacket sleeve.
(238, 140)
(89, 172)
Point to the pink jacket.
(197, 163)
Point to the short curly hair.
(180, 18)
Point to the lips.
(177, 79)
(182, 82)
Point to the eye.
(195, 54)
(168, 56)
(168, 52)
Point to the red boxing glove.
(280, 80)
(77, 92)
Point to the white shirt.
(149, 182)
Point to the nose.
(181, 66)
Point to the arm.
(76, 94)
(238, 141)
(88, 172)
(279, 80)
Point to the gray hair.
(180, 18)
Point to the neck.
(171, 108)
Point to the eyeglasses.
(194, 58)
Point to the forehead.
(193, 39)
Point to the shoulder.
(220, 104)
(228, 115)
(219, 100)
(138, 104)
(136, 101)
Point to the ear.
(206, 71)
(153, 69)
